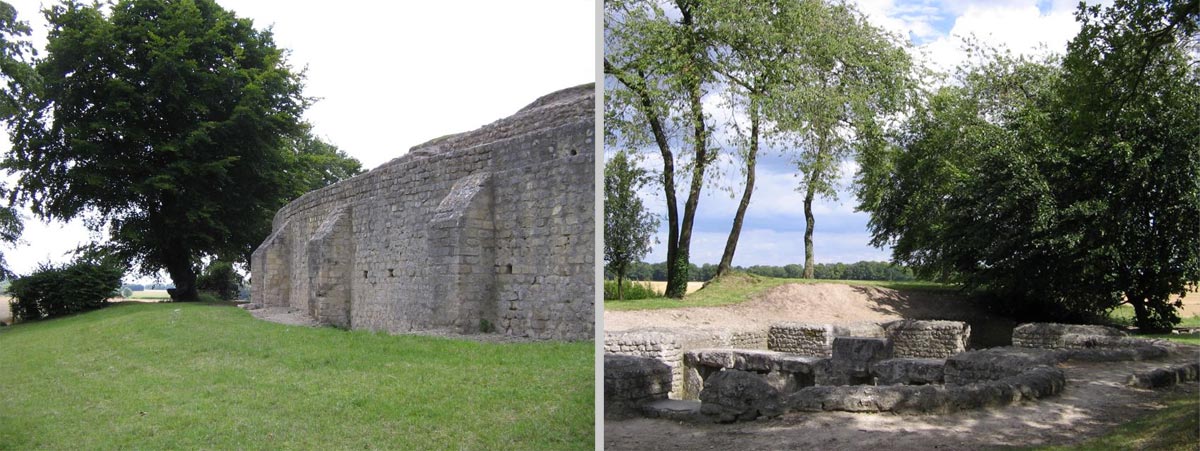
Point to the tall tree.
(19, 77)
(755, 47)
(1066, 188)
(627, 224)
(861, 77)
(168, 122)
(657, 70)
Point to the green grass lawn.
(1176, 427)
(197, 376)
(741, 287)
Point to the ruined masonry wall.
(489, 229)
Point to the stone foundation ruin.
(820, 370)
(488, 230)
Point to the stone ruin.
(911, 367)
(488, 230)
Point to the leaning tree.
(173, 125)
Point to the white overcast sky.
(773, 232)
(391, 75)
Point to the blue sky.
(773, 231)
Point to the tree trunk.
(735, 233)
(678, 267)
(621, 282)
(183, 275)
(809, 224)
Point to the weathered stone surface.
(734, 395)
(489, 229)
(630, 382)
(785, 372)
(669, 346)
(815, 340)
(995, 363)
(1165, 377)
(908, 371)
(1051, 335)
(673, 409)
(928, 339)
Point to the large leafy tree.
(627, 224)
(657, 73)
(19, 77)
(172, 123)
(1065, 187)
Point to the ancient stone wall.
(1055, 335)
(928, 339)
(486, 230)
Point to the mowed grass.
(1175, 427)
(739, 288)
(1124, 314)
(196, 376)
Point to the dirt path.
(1094, 400)
(821, 302)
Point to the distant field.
(662, 286)
(150, 294)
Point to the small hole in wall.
(364, 274)
(507, 269)
(574, 152)
(391, 272)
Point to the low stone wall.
(785, 372)
(1166, 377)
(815, 340)
(1058, 336)
(908, 371)
(928, 339)
(1031, 384)
(668, 347)
(631, 382)
(994, 364)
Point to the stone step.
(673, 409)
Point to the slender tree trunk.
(678, 267)
(735, 232)
(668, 174)
(620, 282)
(809, 225)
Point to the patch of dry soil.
(1095, 399)
(818, 303)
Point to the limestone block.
(735, 395)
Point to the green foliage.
(184, 367)
(1063, 189)
(175, 124)
(220, 280)
(56, 291)
(627, 224)
(629, 291)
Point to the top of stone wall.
(559, 108)
(1057, 329)
(551, 110)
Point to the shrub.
(56, 291)
(220, 279)
(633, 290)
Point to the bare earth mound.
(819, 303)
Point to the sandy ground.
(822, 302)
(1095, 399)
